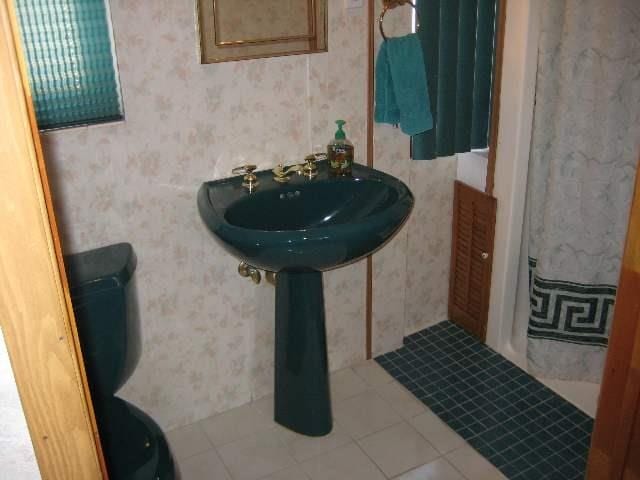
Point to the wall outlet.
(348, 4)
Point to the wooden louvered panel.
(474, 219)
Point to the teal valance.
(457, 39)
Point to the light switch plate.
(353, 4)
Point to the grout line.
(453, 465)
(225, 466)
(189, 457)
(190, 425)
(371, 460)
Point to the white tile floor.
(380, 432)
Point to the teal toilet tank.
(103, 292)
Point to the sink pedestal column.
(302, 399)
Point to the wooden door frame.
(619, 401)
(36, 315)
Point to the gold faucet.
(281, 173)
(249, 181)
(309, 169)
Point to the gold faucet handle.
(250, 180)
(246, 169)
(310, 169)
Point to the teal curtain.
(457, 39)
(70, 61)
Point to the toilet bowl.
(103, 293)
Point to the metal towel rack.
(388, 5)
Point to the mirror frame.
(216, 50)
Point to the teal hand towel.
(402, 96)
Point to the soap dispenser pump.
(340, 152)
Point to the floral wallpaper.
(207, 332)
(411, 273)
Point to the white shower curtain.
(584, 151)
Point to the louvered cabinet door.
(474, 220)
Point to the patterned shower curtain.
(585, 147)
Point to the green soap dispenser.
(340, 152)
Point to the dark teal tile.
(520, 425)
(511, 471)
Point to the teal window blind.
(458, 38)
(71, 62)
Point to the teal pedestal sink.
(298, 230)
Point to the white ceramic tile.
(292, 473)
(429, 242)
(389, 279)
(188, 441)
(346, 384)
(401, 399)
(255, 456)
(365, 414)
(204, 466)
(345, 463)
(397, 449)
(265, 405)
(372, 373)
(235, 424)
(303, 447)
(439, 434)
(439, 469)
(473, 465)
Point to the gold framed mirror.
(232, 30)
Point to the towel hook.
(389, 4)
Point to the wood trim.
(370, 105)
(369, 309)
(496, 91)
(632, 465)
(615, 431)
(371, 46)
(35, 310)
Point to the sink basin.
(311, 224)
(300, 229)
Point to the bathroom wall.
(411, 273)
(472, 168)
(208, 333)
(17, 458)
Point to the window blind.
(71, 61)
